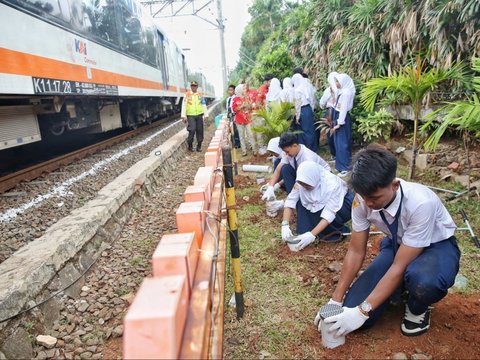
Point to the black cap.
(193, 83)
(267, 77)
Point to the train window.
(103, 20)
(52, 8)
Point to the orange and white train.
(85, 64)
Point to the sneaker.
(342, 173)
(413, 325)
(190, 149)
(199, 149)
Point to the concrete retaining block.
(153, 326)
(204, 176)
(198, 193)
(176, 254)
(211, 158)
(191, 218)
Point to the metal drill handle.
(465, 219)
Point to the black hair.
(231, 86)
(373, 168)
(267, 77)
(287, 139)
(298, 70)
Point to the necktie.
(295, 163)
(393, 227)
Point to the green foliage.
(274, 60)
(413, 83)
(376, 126)
(461, 115)
(278, 119)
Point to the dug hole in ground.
(283, 291)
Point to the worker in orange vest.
(194, 112)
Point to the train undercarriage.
(23, 121)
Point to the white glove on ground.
(318, 318)
(276, 186)
(305, 240)
(269, 194)
(350, 320)
(286, 232)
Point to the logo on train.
(80, 46)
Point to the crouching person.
(323, 205)
(293, 154)
(418, 254)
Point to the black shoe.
(199, 149)
(413, 325)
(190, 148)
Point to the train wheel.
(57, 129)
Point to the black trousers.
(195, 126)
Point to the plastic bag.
(273, 207)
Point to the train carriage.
(84, 64)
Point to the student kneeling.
(325, 206)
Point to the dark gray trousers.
(195, 126)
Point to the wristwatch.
(365, 308)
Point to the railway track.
(9, 181)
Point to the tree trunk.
(413, 161)
(469, 168)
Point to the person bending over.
(323, 205)
(293, 155)
(419, 253)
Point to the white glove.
(318, 318)
(305, 240)
(269, 194)
(276, 186)
(350, 320)
(286, 232)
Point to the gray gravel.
(31, 224)
(91, 325)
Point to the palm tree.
(414, 83)
(278, 119)
(462, 115)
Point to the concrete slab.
(153, 326)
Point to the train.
(96, 65)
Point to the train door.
(163, 62)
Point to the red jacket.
(262, 95)
(242, 117)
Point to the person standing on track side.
(194, 112)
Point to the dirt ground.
(455, 321)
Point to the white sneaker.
(342, 173)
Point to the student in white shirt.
(418, 254)
(231, 115)
(323, 204)
(342, 129)
(293, 155)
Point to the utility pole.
(221, 28)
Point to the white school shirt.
(327, 101)
(424, 220)
(305, 154)
(335, 190)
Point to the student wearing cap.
(419, 253)
(323, 204)
(194, 112)
(292, 156)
